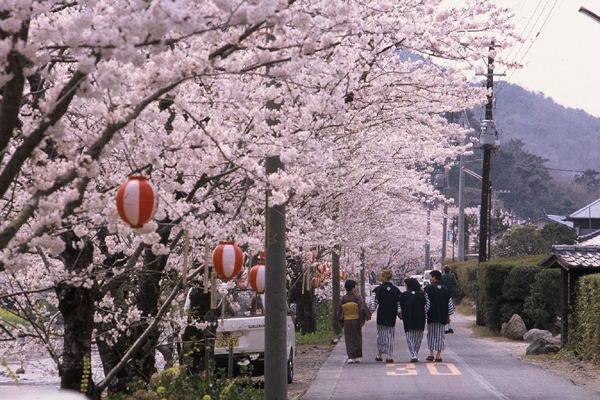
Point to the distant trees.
(527, 239)
(528, 185)
(588, 179)
(526, 177)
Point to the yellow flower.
(207, 397)
(160, 390)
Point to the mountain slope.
(569, 138)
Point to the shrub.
(516, 289)
(490, 281)
(543, 305)
(178, 384)
(466, 274)
(584, 332)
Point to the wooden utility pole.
(487, 141)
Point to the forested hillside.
(569, 138)
(548, 159)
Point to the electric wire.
(547, 18)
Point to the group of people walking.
(416, 307)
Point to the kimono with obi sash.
(352, 313)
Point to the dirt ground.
(309, 359)
(307, 363)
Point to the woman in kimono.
(414, 305)
(352, 312)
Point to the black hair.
(436, 274)
(349, 285)
(446, 269)
(412, 284)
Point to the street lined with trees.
(195, 95)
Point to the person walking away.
(386, 299)
(352, 313)
(440, 309)
(449, 280)
(414, 305)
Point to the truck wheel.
(290, 368)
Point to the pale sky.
(561, 57)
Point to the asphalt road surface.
(472, 368)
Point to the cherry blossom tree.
(195, 95)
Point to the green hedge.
(543, 305)
(501, 288)
(490, 281)
(516, 290)
(466, 273)
(584, 332)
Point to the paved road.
(472, 369)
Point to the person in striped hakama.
(414, 305)
(386, 299)
(440, 309)
(352, 313)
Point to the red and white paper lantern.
(136, 201)
(309, 257)
(228, 260)
(315, 282)
(257, 278)
(242, 282)
(343, 274)
(322, 268)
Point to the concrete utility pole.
(488, 142)
(363, 291)
(461, 211)
(335, 286)
(445, 219)
(275, 296)
(427, 255)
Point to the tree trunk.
(193, 353)
(147, 298)
(76, 304)
(306, 314)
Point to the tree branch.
(150, 329)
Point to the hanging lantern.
(343, 274)
(242, 282)
(309, 257)
(257, 278)
(322, 268)
(228, 260)
(136, 201)
(315, 282)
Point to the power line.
(552, 11)
(531, 166)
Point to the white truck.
(243, 329)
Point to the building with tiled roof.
(545, 219)
(574, 261)
(587, 219)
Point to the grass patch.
(324, 333)
(562, 355)
(484, 331)
(11, 318)
(316, 338)
(464, 309)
